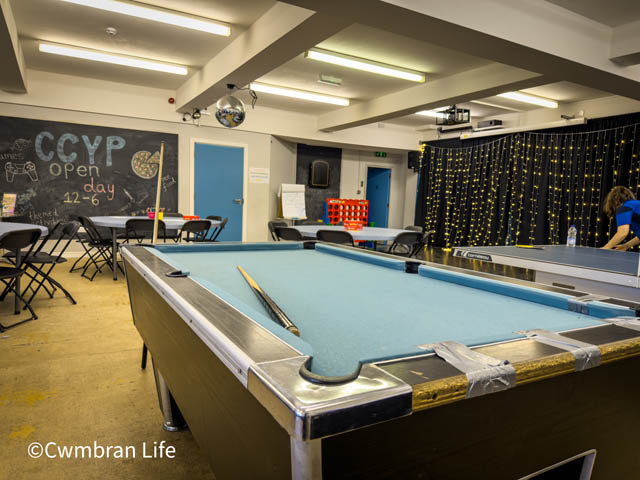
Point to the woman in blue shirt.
(622, 203)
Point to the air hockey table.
(610, 273)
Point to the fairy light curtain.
(528, 187)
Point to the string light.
(565, 175)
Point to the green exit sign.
(381, 154)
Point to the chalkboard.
(62, 169)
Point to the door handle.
(239, 201)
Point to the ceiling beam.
(12, 74)
(283, 32)
(625, 44)
(477, 83)
(533, 35)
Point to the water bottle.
(571, 237)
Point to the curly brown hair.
(615, 198)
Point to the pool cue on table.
(156, 217)
(276, 312)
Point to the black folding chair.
(272, 228)
(11, 257)
(215, 217)
(99, 248)
(83, 239)
(37, 261)
(196, 230)
(411, 241)
(335, 236)
(10, 275)
(140, 229)
(171, 233)
(213, 236)
(288, 233)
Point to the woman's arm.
(621, 234)
(631, 243)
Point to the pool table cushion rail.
(436, 382)
(309, 411)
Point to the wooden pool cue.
(276, 312)
(159, 190)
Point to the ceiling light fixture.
(364, 65)
(290, 92)
(157, 15)
(126, 61)
(525, 98)
(495, 105)
(431, 113)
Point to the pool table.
(402, 369)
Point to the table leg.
(16, 304)
(114, 253)
(306, 459)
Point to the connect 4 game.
(343, 209)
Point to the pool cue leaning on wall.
(159, 190)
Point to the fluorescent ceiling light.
(365, 65)
(431, 113)
(112, 58)
(495, 105)
(157, 15)
(523, 97)
(289, 92)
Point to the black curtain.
(527, 187)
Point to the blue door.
(378, 187)
(218, 186)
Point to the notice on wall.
(9, 204)
(292, 204)
(258, 175)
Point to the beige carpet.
(73, 378)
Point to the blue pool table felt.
(350, 310)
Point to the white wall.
(353, 180)
(283, 170)
(258, 145)
(94, 102)
(410, 191)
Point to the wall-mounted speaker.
(414, 160)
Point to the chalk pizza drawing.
(144, 164)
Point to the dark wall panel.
(314, 197)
